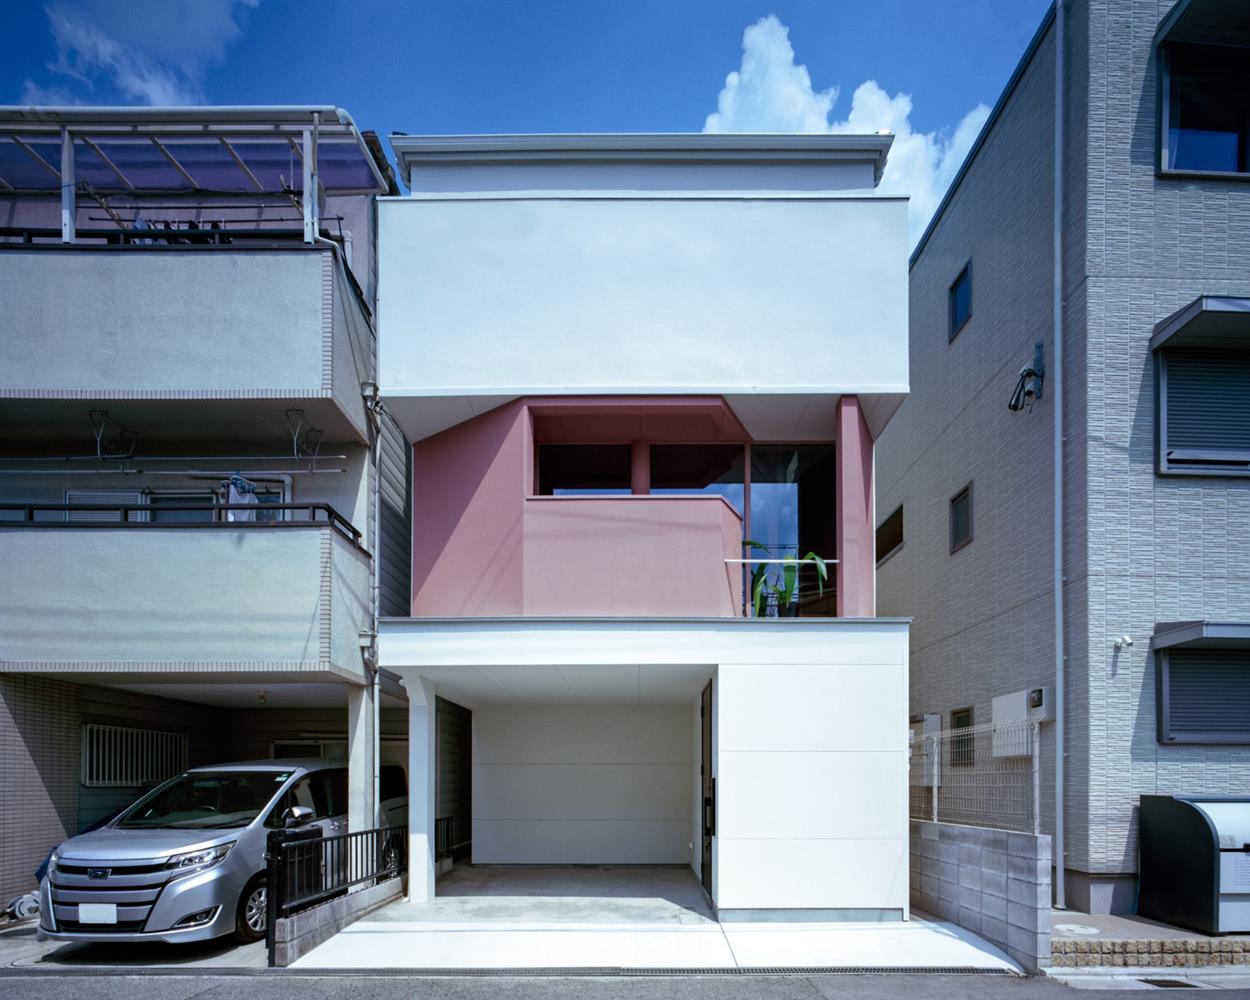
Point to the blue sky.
(926, 70)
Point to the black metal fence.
(305, 868)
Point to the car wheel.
(253, 912)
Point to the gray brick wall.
(994, 883)
(39, 726)
(1141, 548)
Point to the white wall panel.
(524, 295)
(578, 785)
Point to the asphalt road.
(60, 986)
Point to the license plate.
(97, 913)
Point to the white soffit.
(781, 417)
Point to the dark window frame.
(952, 328)
(963, 747)
(1162, 465)
(1163, 107)
(884, 556)
(1165, 734)
(954, 546)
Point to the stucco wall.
(587, 785)
(161, 323)
(514, 294)
(163, 598)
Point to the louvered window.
(1204, 425)
(1204, 695)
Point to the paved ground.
(284, 986)
(635, 917)
(1072, 925)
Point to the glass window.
(963, 742)
(961, 518)
(205, 800)
(699, 468)
(793, 512)
(159, 505)
(1204, 412)
(1207, 108)
(890, 536)
(393, 782)
(583, 469)
(960, 301)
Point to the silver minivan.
(187, 861)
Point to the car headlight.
(198, 861)
(54, 858)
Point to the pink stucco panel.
(467, 488)
(856, 570)
(632, 556)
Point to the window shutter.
(1208, 408)
(101, 497)
(1209, 695)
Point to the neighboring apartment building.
(189, 457)
(618, 358)
(1156, 423)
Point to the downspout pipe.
(1057, 446)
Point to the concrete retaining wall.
(992, 882)
(296, 936)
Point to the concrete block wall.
(994, 883)
(297, 935)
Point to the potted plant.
(780, 581)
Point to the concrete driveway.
(623, 918)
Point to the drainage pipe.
(1057, 446)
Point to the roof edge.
(643, 146)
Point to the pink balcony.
(629, 507)
(632, 555)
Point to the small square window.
(963, 751)
(890, 536)
(1203, 695)
(961, 518)
(960, 304)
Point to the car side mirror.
(296, 816)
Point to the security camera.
(1124, 640)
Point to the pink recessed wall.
(483, 545)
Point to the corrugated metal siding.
(455, 774)
(394, 551)
(1208, 399)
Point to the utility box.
(1009, 713)
(1194, 862)
(923, 728)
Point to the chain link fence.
(986, 775)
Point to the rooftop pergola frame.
(222, 153)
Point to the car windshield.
(205, 799)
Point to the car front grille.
(133, 885)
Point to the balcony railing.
(225, 515)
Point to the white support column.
(361, 746)
(422, 761)
(68, 184)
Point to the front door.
(709, 786)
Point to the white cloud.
(153, 52)
(771, 92)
